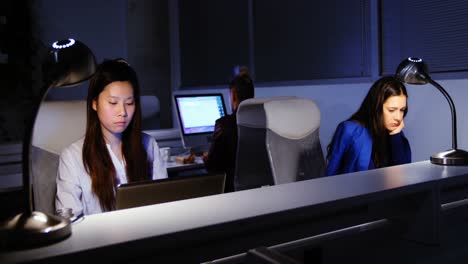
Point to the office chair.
(252, 163)
(58, 124)
(292, 140)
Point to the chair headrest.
(292, 118)
(58, 124)
(251, 112)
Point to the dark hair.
(244, 86)
(241, 70)
(96, 158)
(370, 115)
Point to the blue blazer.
(352, 149)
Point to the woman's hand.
(399, 128)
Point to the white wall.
(428, 123)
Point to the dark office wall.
(214, 37)
(310, 40)
(298, 41)
(17, 84)
(148, 52)
(433, 30)
(101, 25)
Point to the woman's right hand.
(399, 128)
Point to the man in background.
(222, 153)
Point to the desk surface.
(156, 228)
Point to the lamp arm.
(452, 109)
(26, 153)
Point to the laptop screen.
(169, 190)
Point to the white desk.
(201, 229)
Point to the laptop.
(168, 190)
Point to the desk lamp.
(415, 71)
(69, 62)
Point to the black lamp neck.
(452, 109)
(26, 153)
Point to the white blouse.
(74, 183)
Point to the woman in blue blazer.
(372, 137)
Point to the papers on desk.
(172, 164)
(186, 159)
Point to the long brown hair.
(370, 115)
(96, 158)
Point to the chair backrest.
(292, 140)
(252, 163)
(58, 124)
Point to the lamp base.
(450, 157)
(36, 229)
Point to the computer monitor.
(197, 114)
(168, 190)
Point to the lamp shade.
(413, 71)
(69, 62)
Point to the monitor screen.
(197, 114)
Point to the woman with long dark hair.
(114, 150)
(372, 137)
